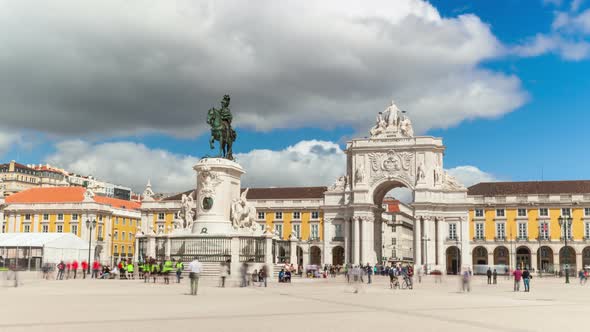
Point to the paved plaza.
(304, 305)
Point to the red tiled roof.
(286, 193)
(530, 188)
(65, 195)
(392, 205)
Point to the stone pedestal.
(218, 185)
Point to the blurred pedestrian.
(526, 279)
(223, 272)
(84, 269)
(195, 269)
(75, 268)
(517, 276)
(489, 274)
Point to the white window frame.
(27, 228)
(523, 230)
(45, 228)
(501, 215)
(27, 216)
(123, 236)
(587, 230)
(296, 229)
(501, 230)
(161, 216)
(60, 216)
(519, 210)
(74, 229)
(278, 215)
(278, 229)
(75, 217)
(315, 215)
(453, 231)
(45, 216)
(587, 211)
(160, 228)
(544, 234)
(59, 229)
(314, 230)
(115, 249)
(338, 230)
(296, 215)
(261, 215)
(543, 215)
(116, 235)
(479, 213)
(480, 231)
(569, 231)
(566, 212)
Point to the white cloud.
(307, 163)
(157, 66)
(575, 5)
(8, 140)
(470, 175)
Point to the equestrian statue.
(221, 130)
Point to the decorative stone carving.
(359, 174)
(391, 165)
(340, 184)
(243, 214)
(186, 212)
(421, 173)
(2, 189)
(89, 195)
(148, 193)
(392, 123)
(208, 180)
(450, 183)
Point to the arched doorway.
(567, 260)
(501, 256)
(453, 260)
(315, 256)
(545, 259)
(480, 256)
(338, 255)
(586, 258)
(523, 258)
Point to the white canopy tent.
(30, 250)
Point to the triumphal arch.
(390, 157)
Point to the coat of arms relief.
(392, 165)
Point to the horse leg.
(221, 143)
(212, 141)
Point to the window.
(74, 229)
(499, 212)
(479, 231)
(587, 211)
(297, 230)
(116, 236)
(60, 216)
(501, 231)
(544, 231)
(124, 221)
(479, 212)
(122, 236)
(100, 218)
(100, 231)
(45, 228)
(315, 215)
(260, 215)
(160, 228)
(297, 215)
(27, 228)
(393, 241)
(45, 217)
(452, 231)
(338, 230)
(74, 217)
(122, 250)
(116, 249)
(587, 230)
(60, 228)
(315, 232)
(279, 215)
(3, 228)
(129, 250)
(116, 220)
(521, 212)
(279, 230)
(27, 216)
(566, 212)
(566, 230)
(522, 231)
(543, 212)
(160, 216)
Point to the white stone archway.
(393, 157)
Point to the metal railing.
(252, 250)
(210, 249)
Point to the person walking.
(223, 273)
(263, 274)
(526, 279)
(84, 269)
(179, 267)
(495, 276)
(369, 273)
(166, 269)
(130, 270)
(195, 269)
(517, 276)
(60, 270)
(244, 275)
(95, 269)
(75, 268)
(582, 277)
(489, 274)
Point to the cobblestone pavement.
(304, 305)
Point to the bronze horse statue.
(221, 130)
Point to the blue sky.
(533, 124)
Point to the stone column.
(11, 223)
(306, 253)
(135, 253)
(368, 233)
(293, 251)
(268, 259)
(417, 241)
(234, 268)
(440, 242)
(579, 261)
(326, 251)
(347, 240)
(168, 247)
(465, 244)
(356, 247)
(151, 246)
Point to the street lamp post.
(90, 224)
(565, 222)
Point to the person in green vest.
(166, 269)
(179, 267)
(155, 270)
(147, 267)
(130, 270)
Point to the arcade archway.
(338, 255)
(523, 258)
(453, 260)
(501, 256)
(545, 259)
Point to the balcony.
(452, 239)
(522, 238)
(563, 238)
(338, 239)
(543, 239)
(479, 239)
(500, 238)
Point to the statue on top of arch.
(392, 122)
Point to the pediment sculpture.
(391, 164)
(243, 213)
